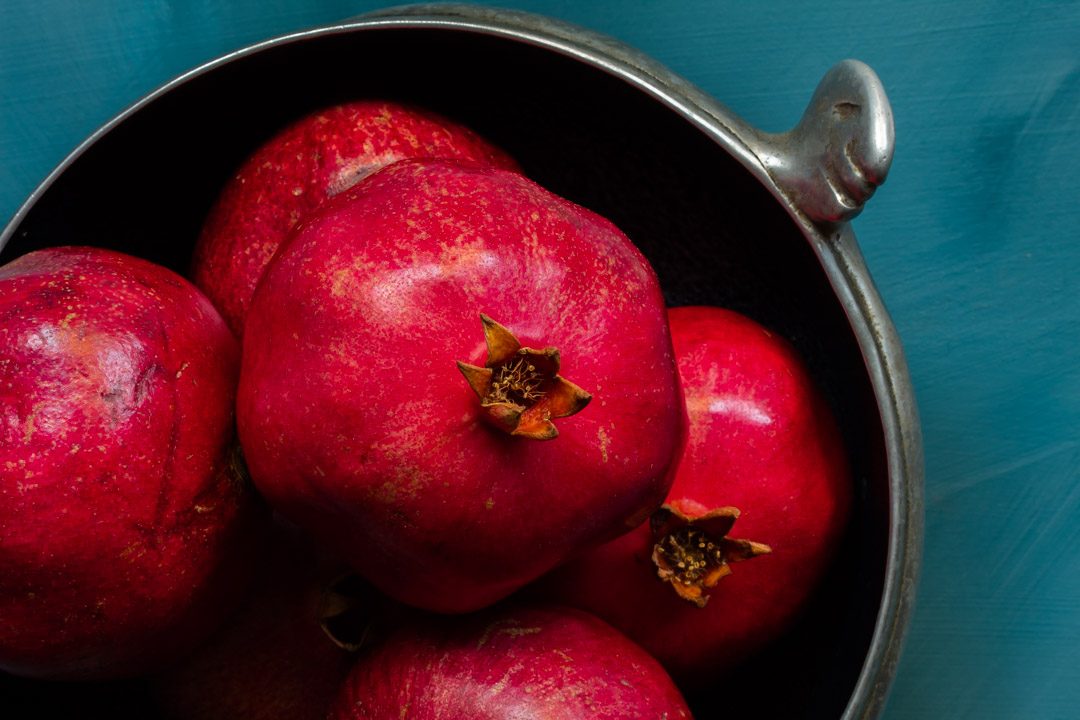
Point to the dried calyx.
(345, 611)
(692, 554)
(520, 388)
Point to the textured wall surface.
(973, 243)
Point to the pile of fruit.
(419, 440)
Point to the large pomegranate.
(297, 170)
(123, 519)
(532, 662)
(408, 357)
(764, 469)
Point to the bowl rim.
(834, 244)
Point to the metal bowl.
(727, 215)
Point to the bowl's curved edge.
(20, 214)
(899, 415)
(835, 247)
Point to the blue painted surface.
(973, 242)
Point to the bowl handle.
(832, 161)
(827, 167)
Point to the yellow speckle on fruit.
(28, 426)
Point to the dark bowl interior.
(714, 234)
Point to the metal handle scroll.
(832, 161)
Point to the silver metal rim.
(833, 242)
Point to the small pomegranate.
(297, 170)
(124, 522)
(275, 658)
(418, 366)
(761, 441)
(533, 662)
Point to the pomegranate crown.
(520, 388)
(694, 553)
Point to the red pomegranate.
(449, 484)
(761, 439)
(539, 662)
(297, 170)
(273, 658)
(123, 518)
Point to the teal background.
(973, 243)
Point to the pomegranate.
(296, 170)
(124, 522)
(273, 659)
(450, 484)
(761, 441)
(533, 662)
